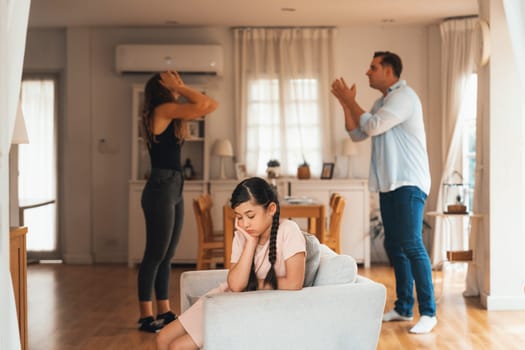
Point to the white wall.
(97, 104)
(45, 51)
(77, 184)
(505, 275)
(13, 26)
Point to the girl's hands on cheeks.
(249, 237)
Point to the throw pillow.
(336, 269)
(313, 257)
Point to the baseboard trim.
(111, 258)
(492, 303)
(78, 259)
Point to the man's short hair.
(390, 59)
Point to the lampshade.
(223, 148)
(349, 147)
(20, 131)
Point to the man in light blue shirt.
(399, 171)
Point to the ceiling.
(231, 13)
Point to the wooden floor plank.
(91, 307)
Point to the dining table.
(313, 211)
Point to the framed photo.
(193, 129)
(328, 171)
(240, 171)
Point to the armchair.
(342, 310)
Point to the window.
(468, 114)
(37, 162)
(283, 78)
(283, 123)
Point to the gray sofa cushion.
(335, 269)
(313, 258)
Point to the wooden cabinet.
(140, 163)
(18, 266)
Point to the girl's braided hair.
(260, 191)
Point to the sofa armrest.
(194, 284)
(346, 316)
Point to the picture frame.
(240, 171)
(193, 129)
(328, 171)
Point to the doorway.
(38, 170)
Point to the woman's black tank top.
(164, 150)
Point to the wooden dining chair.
(211, 243)
(332, 236)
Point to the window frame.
(289, 107)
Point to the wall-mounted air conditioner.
(193, 59)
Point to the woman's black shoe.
(149, 324)
(167, 317)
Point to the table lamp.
(223, 148)
(349, 149)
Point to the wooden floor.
(89, 307)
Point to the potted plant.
(273, 169)
(303, 170)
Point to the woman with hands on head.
(164, 129)
(267, 253)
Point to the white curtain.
(460, 45)
(37, 163)
(515, 13)
(14, 16)
(294, 63)
(477, 240)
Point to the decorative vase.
(303, 172)
(189, 173)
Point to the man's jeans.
(402, 214)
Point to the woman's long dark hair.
(260, 191)
(156, 94)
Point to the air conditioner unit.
(193, 59)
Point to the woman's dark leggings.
(163, 206)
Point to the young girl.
(266, 254)
(165, 128)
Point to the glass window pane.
(298, 129)
(37, 181)
(468, 113)
(41, 224)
